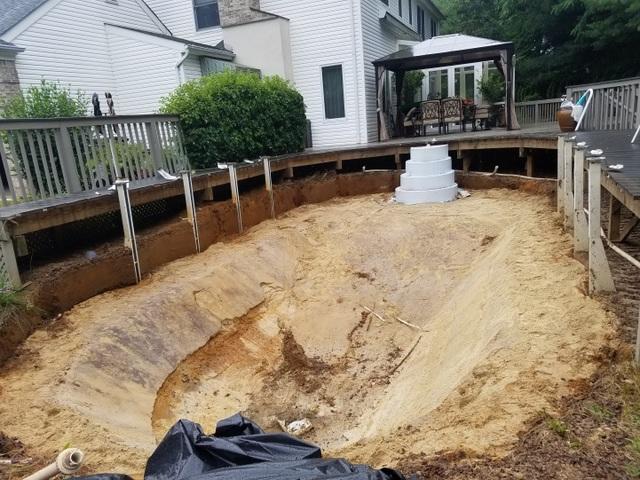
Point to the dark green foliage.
(410, 87)
(47, 100)
(558, 42)
(232, 116)
(492, 87)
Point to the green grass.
(9, 297)
(557, 426)
(600, 413)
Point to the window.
(333, 89)
(206, 13)
(400, 8)
(421, 29)
(411, 12)
(438, 84)
(434, 28)
(465, 81)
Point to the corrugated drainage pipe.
(67, 462)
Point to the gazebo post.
(399, 116)
(509, 86)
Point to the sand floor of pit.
(505, 327)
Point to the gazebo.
(444, 51)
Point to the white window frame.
(344, 94)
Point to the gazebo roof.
(445, 50)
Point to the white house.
(141, 50)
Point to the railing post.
(560, 183)
(67, 161)
(269, 184)
(155, 147)
(9, 256)
(235, 195)
(122, 187)
(192, 214)
(580, 225)
(600, 279)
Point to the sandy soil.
(505, 328)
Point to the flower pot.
(566, 121)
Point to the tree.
(558, 42)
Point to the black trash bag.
(240, 450)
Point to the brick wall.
(236, 12)
(9, 82)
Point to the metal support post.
(235, 195)
(560, 184)
(600, 279)
(192, 214)
(269, 184)
(568, 184)
(122, 187)
(580, 223)
(8, 256)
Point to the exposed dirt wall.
(60, 285)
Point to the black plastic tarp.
(241, 450)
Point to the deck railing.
(56, 157)
(615, 105)
(538, 111)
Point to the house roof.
(217, 50)
(13, 11)
(9, 47)
(444, 50)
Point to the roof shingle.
(13, 11)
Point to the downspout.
(356, 70)
(180, 71)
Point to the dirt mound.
(278, 324)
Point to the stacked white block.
(429, 177)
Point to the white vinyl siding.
(191, 68)
(378, 43)
(322, 34)
(178, 16)
(146, 74)
(69, 44)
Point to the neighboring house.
(117, 46)
(141, 50)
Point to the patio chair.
(432, 114)
(482, 116)
(452, 113)
(412, 121)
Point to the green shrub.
(491, 87)
(232, 116)
(47, 100)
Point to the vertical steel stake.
(269, 184)
(600, 279)
(235, 195)
(122, 187)
(568, 183)
(560, 186)
(580, 224)
(192, 214)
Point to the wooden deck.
(39, 215)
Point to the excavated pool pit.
(276, 324)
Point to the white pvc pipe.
(67, 462)
(584, 111)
